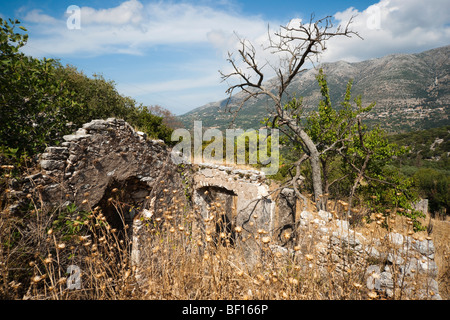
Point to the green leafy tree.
(151, 124)
(332, 129)
(33, 102)
(359, 157)
(435, 186)
(41, 100)
(97, 98)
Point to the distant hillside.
(428, 163)
(412, 91)
(428, 148)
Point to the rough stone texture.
(421, 206)
(253, 209)
(102, 156)
(285, 219)
(102, 153)
(398, 262)
(105, 155)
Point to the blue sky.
(168, 53)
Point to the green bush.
(41, 100)
(435, 186)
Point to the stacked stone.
(236, 174)
(396, 265)
(89, 160)
(409, 266)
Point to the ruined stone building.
(107, 158)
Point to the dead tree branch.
(298, 44)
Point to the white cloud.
(135, 28)
(179, 95)
(392, 26)
(167, 86)
(36, 16)
(125, 13)
(132, 27)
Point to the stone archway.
(120, 203)
(254, 210)
(224, 204)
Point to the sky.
(169, 53)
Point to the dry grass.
(39, 264)
(441, 239)
(440, 236)
(184, 266)
(36, 254)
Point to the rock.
(306, 215)
(158, 142)
(281, 251)
(51, 165)
(346, 240)
(326, 216)
(342, 226)
(75, 137)
(55, 153)
(386, 280)
(142, 134)
(395, 238)
(395, 259)
(372, 253)
(318, 222)
(433, 289)
(286, 212)
(428, 267)
(73, 158)
(373, 277)
(324, 230)
(409, 268)
(95, 125)
(424, 247)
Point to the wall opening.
(224, 204)
(121, 201)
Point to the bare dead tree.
(296, 46)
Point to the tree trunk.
(325, 182)
(315, 167)
(317, 180)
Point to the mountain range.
(411, 91)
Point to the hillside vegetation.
(43, 100)
(411, 92)
(428, 162)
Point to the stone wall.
(252, 210)
(104, 159)
(392, 266)
(421, 205)
(108, 159)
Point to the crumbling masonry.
(108, 155)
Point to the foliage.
(97, 98)
(333, 129)
(34, 102)
(427, 162)
(427, 148)
(354, 159)
(41, 100)
(153, 125)
(435, 186)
